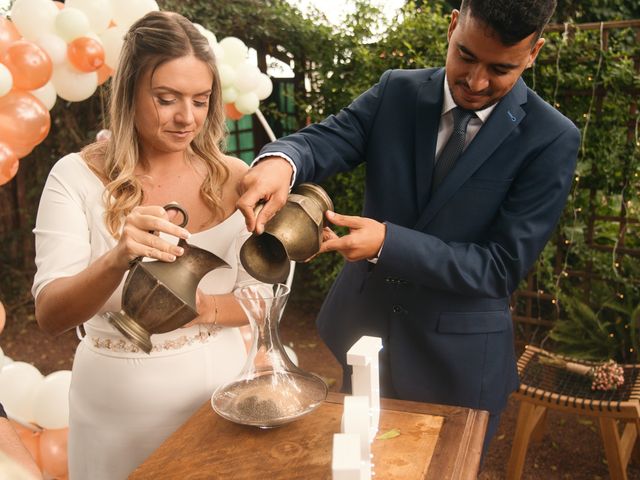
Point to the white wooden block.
(346, 463)
(365, 378)
(364, 350)
(356, 419)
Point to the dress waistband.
(180, 339)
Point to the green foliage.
(609, 332)
(596, 10)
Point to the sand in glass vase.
(270, 390)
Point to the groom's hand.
(364, 240)
(267, 181)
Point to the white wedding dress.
(124, 403)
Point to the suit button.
(398, 309)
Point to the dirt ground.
(571, 448)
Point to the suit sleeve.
(338, 143)
(523, 225)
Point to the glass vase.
(270, 390)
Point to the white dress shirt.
(445, 128)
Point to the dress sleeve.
(63, 246)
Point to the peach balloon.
(53, 452)
(86, 54)
(3, 318)
(8, 169)
(29, 64)
(104, 72)
(8, 34)
(232, 112)
(30, 439)
(24, 122)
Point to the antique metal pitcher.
(159, 297)
(294, 233)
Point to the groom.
(467, 173)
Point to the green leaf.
(393, 433)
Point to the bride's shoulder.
(236, 166)
(94, 155)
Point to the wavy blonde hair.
(153, 40)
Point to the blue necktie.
(453, 147)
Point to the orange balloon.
(86, 54)
(104, 72)
(8, 169)
(53, 452)
(232, 112)
(3, 317)
(8, 34)
(24, 122)
(31, 441)
(29, 64)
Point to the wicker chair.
(545, 386)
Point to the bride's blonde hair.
(156, 38)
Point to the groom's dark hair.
(511, 20)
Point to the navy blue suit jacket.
(439, 293)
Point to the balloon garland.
(50, 49)
(38, 408)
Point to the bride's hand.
(207, 308)
(140, 236)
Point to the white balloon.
(72, 23)
(127, 12)
(247, 103)
(54, 46)
(98, 12)
(265, 86)
(235, 51)
(247, 77)
(46, 94)
(208, 34)
(6, 84)
(95, 36)
(227, 75)
(51, 401)
(229, 95)
(33, 18)
(6, 361)
(103, 135)
(19, 382)
(72, 85)
(218, 53)
(112, 40)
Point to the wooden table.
(435, 442)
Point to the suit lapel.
(429, 106)
(503, 120)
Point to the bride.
(96, 213)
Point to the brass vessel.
(294, 233)
(158, 296)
